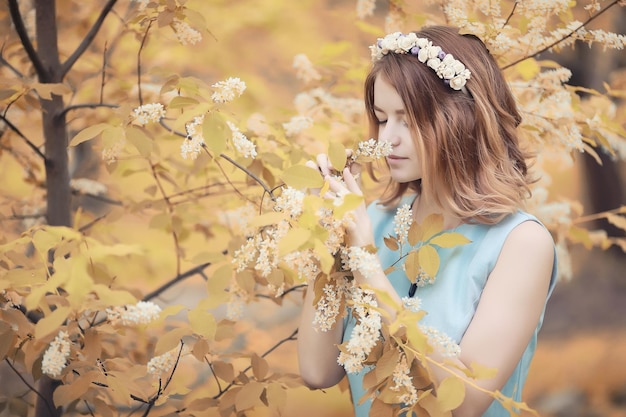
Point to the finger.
(324, 164)
(351, 182)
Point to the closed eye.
(381, 122)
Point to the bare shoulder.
(528, 251)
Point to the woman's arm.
(508, 312)
(317, 350)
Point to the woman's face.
(393, 127)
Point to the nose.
(389, 133)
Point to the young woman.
(442, 103)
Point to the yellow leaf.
(249, 396)
(88, 133)
(20, 277)
(170, 340)
(301, 176)
(293, 240)
(215, 131)
(429, 260)
(66, 393)
(276, 396)
(416, 234)
(350, 202)
(216, 285)
(110, 297)
(391, 243)
(478, 371)
(138, 138)
(450, 393)
(267, 219)
(412, 265)
(387, 363)
(528, 69)
(224, 371)
(52, 322)
(326, 259)
(432, 225)
(448, 240)
(259, 367)
(580, 235)
(45, 91)
(180, 102)
(203, 323)
(337, 155)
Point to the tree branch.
(21, 135)
(87, 106)
(195, 270)
(9, 66)
(14, 9)
(30, 386)
(71, 60)
(143, 43)
(569, 35)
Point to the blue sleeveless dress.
(452, 300)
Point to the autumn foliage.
(147, 207)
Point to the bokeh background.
(580, 366)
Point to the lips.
(395, 157)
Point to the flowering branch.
(558, 41)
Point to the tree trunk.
(57, 173)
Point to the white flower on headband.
(449, 69)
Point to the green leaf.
(450, 393)
(448, 240)
(301, 176)
(88, 133)
(215, 132)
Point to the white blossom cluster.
(261, 250)
(185, 34)
(402, 222)
(359, 259)
(403, 381)
(441, 341)
(449, 69)
(297, 124)
(305, 70)
(141, 313)
(412, 304)
(236, 302)
(110, 155)
(305, 263)
(365, 8)
(162, 364)
(193, 143)
(55, 358)
(329, 304)
(290, 201)
(317, 101)
(88, 186)
(372, 149)
(228, 90)
(148, 113)
(239, 219)
(366, 332)
(241, 143)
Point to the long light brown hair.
(472, 162)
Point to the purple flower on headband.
(380, 43)
(415, 50)
(441, 55)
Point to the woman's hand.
(359, 228)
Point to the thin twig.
(50, 409)
(88, 39)
(21, 135)
(292, 336)
(14, 9)
(104, 68)
(143, 42)
(506, 22)
(553, 44)
(9, 66)
(195, 270)
(87, 106)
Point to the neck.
(423, 206)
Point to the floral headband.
(449, 69)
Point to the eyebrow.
(399, 112)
